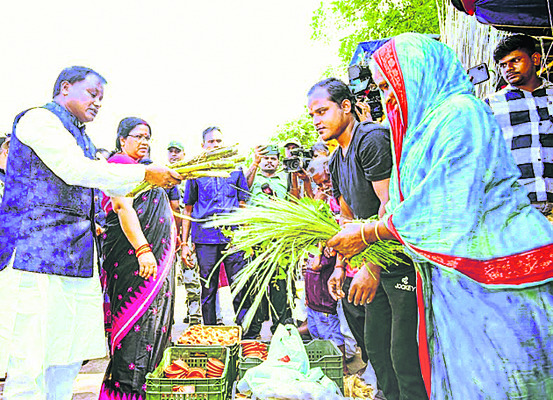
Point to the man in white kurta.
(51, 323)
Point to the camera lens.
(294, 165)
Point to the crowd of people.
(465, 186)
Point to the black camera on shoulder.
(364, 88)
(299, 160)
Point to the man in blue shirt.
(203, 198)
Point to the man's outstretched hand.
(161, 176)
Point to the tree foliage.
(355, 21)
(300, 128)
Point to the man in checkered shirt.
(524, 110)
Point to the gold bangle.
(143, 251)
(376, 231)
(363, 234)
(144, 246)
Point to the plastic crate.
(160, 388)
(321, 353)
(233, 350)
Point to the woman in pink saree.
(138, 250)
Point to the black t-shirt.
(368, 159)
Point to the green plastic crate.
(232, 374)
(321, 353)
(233, 350)
(160, 388)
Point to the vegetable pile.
(254, 349)
(179, 369)
(206, 336)
(355, 388)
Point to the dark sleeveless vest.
(50, 223)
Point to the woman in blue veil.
(484, 255)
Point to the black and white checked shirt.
(526, 119)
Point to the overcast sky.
(242, 65)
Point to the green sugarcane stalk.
(142, 187)
(223, 152)
(208, 174)
(210, 165)
(221, 163)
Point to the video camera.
(299, 160)
(364, 88)
(361, 81)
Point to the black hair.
(126, 126)
(209, 129)
(515, 42)
(74, 74)
(320, 146)
(337, 91)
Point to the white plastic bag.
(286, 373)
(287, 347)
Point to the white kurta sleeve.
(43, 132)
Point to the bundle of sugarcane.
(278, 235)
(216, 163)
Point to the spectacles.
(141, 138)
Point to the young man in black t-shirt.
(360, 169)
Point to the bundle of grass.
(216, 163)
(278, 235)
